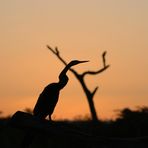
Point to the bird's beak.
(83, 61)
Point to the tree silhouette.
(133, 122)
(80, 77)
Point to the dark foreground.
(23, 131)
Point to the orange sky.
(82, 29)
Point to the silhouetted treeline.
(4, 120)
(129, 123)
(132, 122)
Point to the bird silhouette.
(49, 97)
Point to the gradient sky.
(82, 29)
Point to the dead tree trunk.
(80, 77)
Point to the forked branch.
(100, 70)
(57, 53)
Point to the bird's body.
(47, 101)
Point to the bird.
(48, 98)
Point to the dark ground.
(23, 130)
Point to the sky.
(81, 29)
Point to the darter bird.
(49, 97)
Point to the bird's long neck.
(64, 71)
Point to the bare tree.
(80, 77)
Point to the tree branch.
(57, 53)
(95, 90)
(95, 72)
(103, 58)
(100, 70)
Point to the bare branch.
(95, 72)
(57, 53)
(100, 70)
(95, 90)
(51, 49)
(103, 57)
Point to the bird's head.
(75, 62)
(68, 66)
